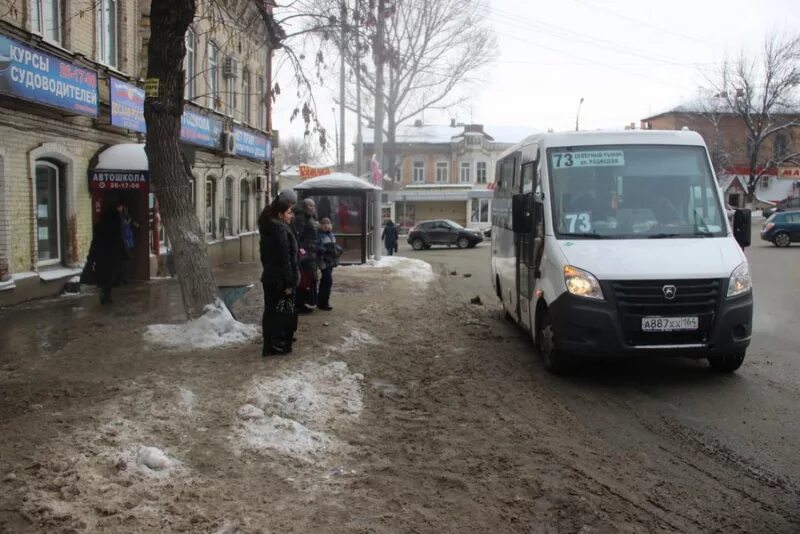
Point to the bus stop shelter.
(349, 202)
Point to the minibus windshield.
(633, 192)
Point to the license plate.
(669, 324)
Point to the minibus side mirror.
(538, 218)
(521, 213)
(742, 227)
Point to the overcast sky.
(627, 58)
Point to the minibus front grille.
(649, 298)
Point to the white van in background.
(618, 243)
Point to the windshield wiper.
(587, 235)
(703, 233)
(663, 236)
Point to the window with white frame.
(230, 87)
(46, 19)
(49, 212)
(227, 207)
(419, 172)
(189, 64)
(213, 76)
(246, 95)
(261, 96)
(211, 208)
(480, 210)
(466, 172)
(244, 206)
(107, 32)
(441, 172)
(481, 172)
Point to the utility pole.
(378, 136)
(359, 137)
(578, 115)
(343, 37)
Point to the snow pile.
(153, 458)
(416, 271)
(292, 413)
(285, 436)
(354, 340)
(215, 328)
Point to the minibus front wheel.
(555, 361)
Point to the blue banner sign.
(127, 106)
(252, 145)
(32, 75)
(202, 130)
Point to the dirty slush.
(404, 411)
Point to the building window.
(107, 32)
(261, 101)
(189, 65)
(419, 172)
(49, 212)
(213, 76)
(474, 139)
(480, 210)
(230, 86)
(244, 206)
(46, 19)
(480, 172)
(228, 206)
(466, 171)
(441, 172)
(211, 209)
(780, 147)
(246, 95)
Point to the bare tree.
(762, 92)
(430, 49)
(296, 151)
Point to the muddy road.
(407, 409)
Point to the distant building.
(725, 135)
(445, 172)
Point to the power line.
(639, 22)
(572, 36)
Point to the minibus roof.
(624, 137)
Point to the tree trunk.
(169, 21)
(391, 148)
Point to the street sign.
(151, 87)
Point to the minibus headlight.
(582, 283)
(740, 282)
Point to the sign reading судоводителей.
(127, 106)
(32, 75)
(251, 145)
(101, 180)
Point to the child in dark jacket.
(328, 253)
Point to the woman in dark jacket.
(106, 253)
(390, 238)
(280, 277)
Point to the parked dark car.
(782, 229)
(442, 232)
(788, 203)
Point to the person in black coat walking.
(106, 253)
(390, 238)
(280, 277)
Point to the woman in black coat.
(280, 277)
(390, 238)
(106, 253)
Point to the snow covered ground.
(416, 271)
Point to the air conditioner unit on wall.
(230, 68)
(229, 143)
